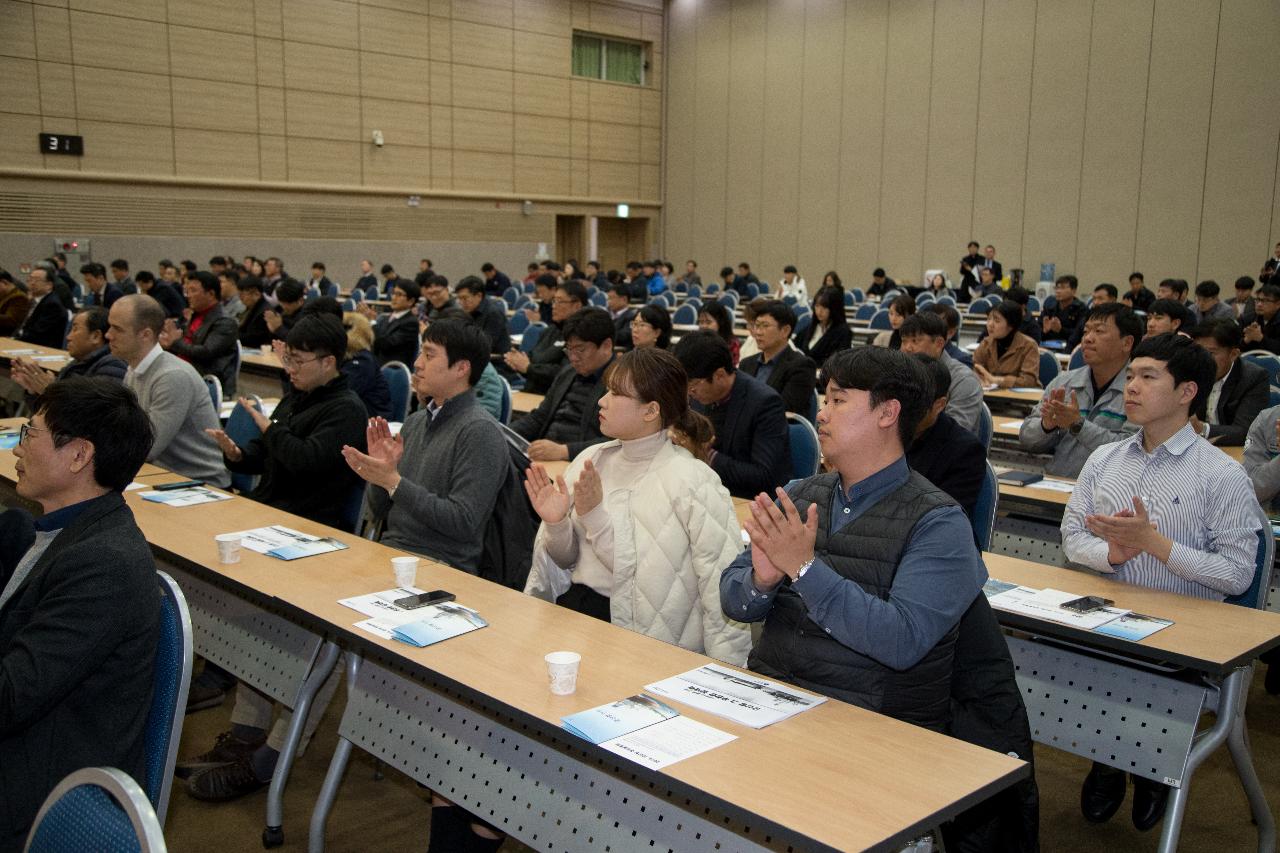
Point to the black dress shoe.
(1102, 793)
(1149, 801)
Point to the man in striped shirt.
(1163, 509)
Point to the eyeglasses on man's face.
(26, 430)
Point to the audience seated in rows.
(87, 346)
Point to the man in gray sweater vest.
(170, 391)
(436, 483)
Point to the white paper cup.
(228, 547)
(562, 669)
(406, 571)
(267, 349)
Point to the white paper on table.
(665, 743)
(741, 697)
(1047, 604)
(13, 352)
(264, 539)
(48, 357)
(1052, 485)
(383, 603)
(134, 486)
(1011, 424)
(990, 386)
(1028, 390)
(193, 496)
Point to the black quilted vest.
(794, 648)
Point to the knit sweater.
(177, 401)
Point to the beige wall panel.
(953, 134)
(482, 130)
(273, 161)
(651, 184)
(130, 148)
(436, 8)
(713, 49)
(677, 214)
(906, 131)
(580, 177)
(103, 40)
(441, 169)
(580, 139)
(650, 146)
(441, 39)
(651, 107)
(1179, 100)
(616, 21)
(780, 201)
(742, 165)
(19, 86)
(214, 106)
(57, 89)
(615, 180)
(497, 13)
(482, 45)
(391, 31)
(441, 82)
(321, 161)
(400, 123)
(17, 22)
(1004, 105)
(1055, 142)
(215, 154)
(1239, 188)
(107, 95)
(866, 30)
(651, 30)
(549, 17)
(399, 5)
(542, 175)
(401, 166)
(543, 137)
(268, 19)
(329, 22)
(1112, 169)
(53, 33)
(210, 55)
(543, 54)
(321, 69)
(232, 16)
(441, 126)
(580, 10)
(614, 142)
(321, 116)
(482, 88)
(399, 79)
(270, 53)
(147, 10)
(614, 102)
(18, 135)
(544, 96)
(580, 99)
(271, 117)
(475, 170)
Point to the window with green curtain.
(586, 56)
(623, 62)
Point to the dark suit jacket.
(169, 298)
(213, 349)
(47, 325)
(253, 326)
(492, 319)
(996, 269)
(77, 656)
(534, 425)
(794, 377)
(323, 284)
(110, 293)
(952, 458)
(622, 328)
(1270, 331)
(835, 339)
(753, 447)
(396, 340)
(497, 285)
(546, 360)
(1245, 392)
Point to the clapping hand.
(1128, 533)
(170, 334)
(588, 491)
(230, 449)
(781, 536)
(33, 378)
(381, 465)
(550, 498)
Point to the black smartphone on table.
(1087, 604)
(413, 602)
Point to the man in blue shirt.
(862, 574)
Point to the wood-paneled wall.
(1103, 137)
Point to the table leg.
(273, 835)
(337, 767)
(1238, 746)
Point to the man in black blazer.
(620, 310)
(208, 338)
(1240, 389)
(46, 322)
(752, 449)
(79, 604)
(101, 292)
(943, 452)
(568, 419)
(319, 283)
(489, 314)
(989, 261)
(969, 270)
(395, 333)
(542, 364)
(793, 375)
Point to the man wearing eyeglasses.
(793, 375)
(79, 613)
(543, 363)
(1262, 327)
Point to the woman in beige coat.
(1006, 357)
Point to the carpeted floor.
(391, 815)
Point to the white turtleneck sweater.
(619, 468)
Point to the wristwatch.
(804, 568)
(1075, 428)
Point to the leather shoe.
(1102, 793)
(1149, 801)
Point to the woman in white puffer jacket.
(642, 534)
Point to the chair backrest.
(946, 300)
(357, 295)
(859, 296)
(371, 292)
(695, 292)
(332, 290)
(986, 427)
(397, 376)
(517, 323)
(813, 408)
(1268, 361)
(713, 287)
(525, 301)
(1033, 303)
(979, 306)
(1076, 360)
(694, 302)
(529, 339)
(348, 304)
(865, 311)
(984, 509)
(163, 731)
(1275, 396)
(352, 504)
(510, 295)
(685, 315)
(242, 429)
(530, 287)
(1049, 368)
(215, 390)
(806, 454)
(1256, 595)
(804, 323)
(790, 299)
(880, 319)
(238, 360)
(849, 301)
(924, 299)
(99, 809)
(599, 299)
(753, 290)
(764, 288)
(504, 404)
(729, 299)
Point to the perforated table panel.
(257, 646)
(547, 792)
(1136, 720)
(1027, 540)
